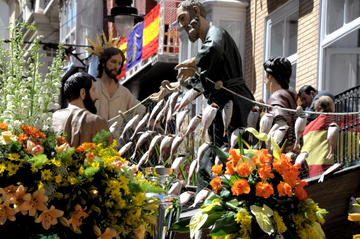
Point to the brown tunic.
(79, 124)
(285, 99)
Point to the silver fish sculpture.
(208, 116)
(130, 125)
(280, 133)
(200, 196)
(141, 125)
(192, 168)
(165, 147)
(266, 123)
(175, 188)
(115, 129)
(143, 159)
(159, 117)
(202, 149)
(180, 116)
(332, 138)
(155, 111)
(194, 122)
(172, 102)
(226, 114)
(175, 145)
(301, 158)
(125, 148)
(330, 170)
(234, 137)
(189, 96)
(142, 139)
(201, 152)
(299, 128)
(178, 161)
(156, 140)
(185, 197)
(252, 119)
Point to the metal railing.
(348, 148)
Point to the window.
(340, 45)
(78, 19)
(281, 37)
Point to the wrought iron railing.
(348, 147)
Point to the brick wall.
(308, 42)
(255, 42)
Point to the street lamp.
(124, 16)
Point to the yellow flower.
(72, 180)
(2, 167)
(46, 174)
(279, 223)
(12, 168)
(14, 157)
(95, 164)
(81, 170)
(108, 203)
(55, 162)
(58, 178)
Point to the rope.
(218, 85)
(134, 107)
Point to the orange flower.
(265, 172)
(3, 126)
(22, 137)
(217, 168)
(49, 217)
(240, 186)
(84, 147)
(300, 192)
(77, 217)
(215, 183)
(80, 149)
(284, 189)
(34, 202)
(108, 234)
(234, 156)
(61, 140)
(230, 168)
(8, 193)
(264, 190)
(243, 169)
(33, 132)
(7, 212)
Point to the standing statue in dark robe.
(219, 60)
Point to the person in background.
(315, 137)
(308, 95)
(278, 72)
(113, 96)
(219, 60)
(79, 121)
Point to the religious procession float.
(144, 184)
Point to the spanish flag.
(123, 46)
(151, 32)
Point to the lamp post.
(124, 16)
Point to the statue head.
(280, 68)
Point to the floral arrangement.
(256, 193)
(29, 97)
(354, 215)
(48, 188)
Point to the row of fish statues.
(166, 111)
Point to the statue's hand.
(187, 70)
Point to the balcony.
(159, 65)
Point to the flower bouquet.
(50, 189)
(256, 193)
